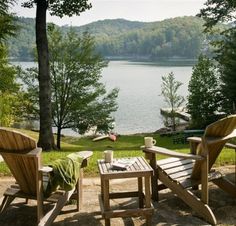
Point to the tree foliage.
(58, 8)
(224, 11)
(30, 94)
(178, 38)
(226, 56)
(7, 73)
(218, 11)
(169, 90)
(7, 20)
(9, 96)
(79, 99)
(9, 91)
(61, 8)
(205, 97)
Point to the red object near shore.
(112, 137)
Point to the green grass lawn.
(125, 146)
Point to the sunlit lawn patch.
(125, 146)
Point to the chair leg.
(189, 198)
(49, 217)
(80, 190)
(7, 200)
(226, 185)
(78, 195)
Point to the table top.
(139, 168)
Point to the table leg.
(235, 165)
(140, 191)
(148, 199)
(106, 200)
(102, 188)
(154, 178)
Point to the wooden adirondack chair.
(23, 157)
(181, 172)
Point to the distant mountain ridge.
(118, 26)
(180, 37)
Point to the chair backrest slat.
(18, 151)
(15, 141)
(222, 130)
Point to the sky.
(134, 10)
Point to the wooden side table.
(140, 169)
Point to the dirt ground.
(169, 211)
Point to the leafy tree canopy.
(7, 73)
(218, 11)
(61, 7)
(79, 99)
(224, 11)
(7, 20)
(10, 94)
(226, 57)
(178, 37)
(58, 8)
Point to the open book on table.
(123, 163)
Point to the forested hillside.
(22, 46)
(109, 28)
(180, 37)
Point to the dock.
(179, 112)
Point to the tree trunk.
(46, 140)
(59, 137)
(173, 119)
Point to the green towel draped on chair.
(65, 173)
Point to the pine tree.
(204, 97)
(169, 90)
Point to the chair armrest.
(85, 155)
(193, 144)
(46, 169)
(194, 139)
(164, 151)
(231, 146)
(35, 152)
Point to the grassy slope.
(125, 146)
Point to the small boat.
(100, 137)
(111, 136)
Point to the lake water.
(140, 97)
